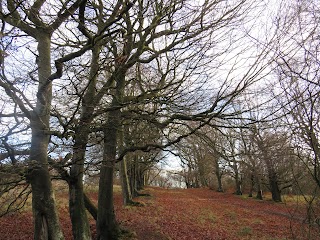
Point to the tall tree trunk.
(77, 209)
(237, 179)
(46, 221)
(107, 226)
(134, 177)
(220, 188)
(140, 178)
(273, 181)
(238, 186)
(258, 186)
(274, 186)
(251, 185)
(202, 175)
(126, 191)
(79, 219)
(125, 184)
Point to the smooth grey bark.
(46, 221)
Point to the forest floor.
(190, 214)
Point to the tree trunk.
(251, 185)
(275, 191)
(238, 187)
(77, 208)
(107, 226)
(92, 209)
(46, 221)
(219, 176)
(134, 178)
(202, 175)
(220, 188)
(196, 182)
(125, 184)
(258, 185)
(273, 181)
(237, 179)
(259, 195)
(140, 178)
(126, 192)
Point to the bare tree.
(28, 22)
(297, 72)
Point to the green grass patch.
(206, 216)
(245, 231)
(257, 221)
(232, 215)
(299, 198)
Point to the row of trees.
(256, 158)
(280, 153)
(89, 85)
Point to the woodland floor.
(178, 214)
